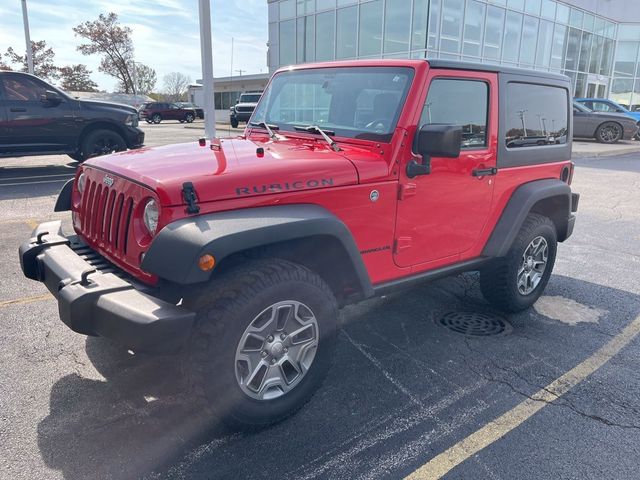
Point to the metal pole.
(207, 69)
(27, 37)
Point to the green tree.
(76, 78)
(43, 65)
(144, 79)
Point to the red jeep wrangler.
(352, 179)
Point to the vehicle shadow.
(140, 422)
(34, 181)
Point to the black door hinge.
(190, 197)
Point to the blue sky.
(165, 33)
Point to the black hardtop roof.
(484, 67)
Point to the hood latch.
(190, 197)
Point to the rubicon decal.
(284, 187)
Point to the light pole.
(206, 54)
(27, 37)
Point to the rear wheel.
(189, 117)
(515, 282)
(101, 142)
(609, 132)
(263, 341)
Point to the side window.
(603, 107)
(22, 89)
(459, 102)
(536, 115)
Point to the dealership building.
(594, 42)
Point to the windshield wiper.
(325, 134)
(269, 128)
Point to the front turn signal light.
(206, 262)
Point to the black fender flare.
(523, 199)
(174, 252)
(63, 202)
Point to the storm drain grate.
(476, 324)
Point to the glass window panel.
(562, 13)
(274, 12)
(473, 27)
(287, 9)
(598, 26)
(545, 42)
(512, 30)
(626, 56)
(548, 9)
(558, 47)
(325, 36)
(325, 4)
(537, 115)
(434, 23)
(576, 18)
(287, 47)
(573, 48)
(532, 6)
(516, 4)
(596, 53)
(611, 30)
(529, 37)
(634, 105)
(274, 50)
(607, 57)
(629, 32)
(493, 33)
(306, 39)
(305, 7)
(585, 50)
(346, 32)
(452, 18)
(459, 102)
(419, 24)
(346, 2)
(370, 40)
(499, 2)
(621, 90)
(396, 29)
(588, 22)
(581, 85)
(449, 46)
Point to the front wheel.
(156, 118)
(102, 142)
(515, 282)
(263, 341)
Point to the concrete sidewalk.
(591, 148)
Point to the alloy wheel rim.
(276, 350)
(534, 263)
(610, 133)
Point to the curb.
(607, 153)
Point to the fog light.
(206, 262)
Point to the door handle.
(482, 172)
(17, 109)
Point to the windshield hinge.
(190, 197)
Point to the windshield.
(250, 98)
(358, 102)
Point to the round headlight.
(81, 181)
(150, 216)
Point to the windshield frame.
(342, 134)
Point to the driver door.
(442, 214)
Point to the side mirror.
(435, 140)
(51, 97)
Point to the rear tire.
(515, 282)
(101, 142)
(189, 117)
(609, 132)
(246, 362)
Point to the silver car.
(605, 127)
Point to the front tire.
(515, 282)
(189, 118)
(263, 341)
(102, 142)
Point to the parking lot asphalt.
(405, 393)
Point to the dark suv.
(155, 112)
(244, 107)
(39, 119)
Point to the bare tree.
(145, 79)
(76, 78)
(175, 85)
(108, 38)
(43, 65)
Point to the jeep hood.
(235, 170)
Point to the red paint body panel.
(415, 224)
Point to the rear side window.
(536, 115)
(459, 102)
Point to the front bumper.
(102, 304)
(134, 137)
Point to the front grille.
(245, 109)
(106, 216)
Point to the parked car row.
(156, 112)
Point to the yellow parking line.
(496, 429)
(32, 223)
(23, 300)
